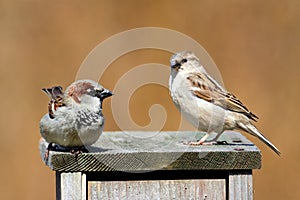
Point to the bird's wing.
(54, 92)
(56, 99)
(206, 88)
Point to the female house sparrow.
(206, 104)
(75, 116)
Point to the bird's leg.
(51, 146)
(215, 140)
(199, 142)
(203, 140)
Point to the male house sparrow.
(205, 103)
(75, 116)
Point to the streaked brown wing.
(54, 92)
(56, 99)
(206, 88)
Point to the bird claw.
(55, 147)
(210, 143)
(221, 142)
(199, 142)
(51, 146)
(78, 150)
(192, 143)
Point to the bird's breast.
(200, 113)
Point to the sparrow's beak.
(104, 94)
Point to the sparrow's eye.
(103, 93)
(178, 63)
(183, 61)
(99, 90)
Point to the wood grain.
(70, 186)
(147, 151)
(161, 189)
(240, 186)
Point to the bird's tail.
(250, 128)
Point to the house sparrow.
(75, 116)
(205, 103)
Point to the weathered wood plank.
(240, 186)
(83, 186)
(70, 186)
(160, 189)
(147, 151)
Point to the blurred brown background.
(254, 43)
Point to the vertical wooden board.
(178, 189)
(211, 189)
(70, 186)
(122, 191)
(240, 186)
(83, 186)
(160, 189)
(92, 191)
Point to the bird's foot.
(192, 143)
(199, 142)
(222, 142)
(79, 150)
(74, 150)
(209, 143)
(51, 147)
(55, 147)
(215, 143)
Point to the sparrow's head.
(184, 61)
(87, 93)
